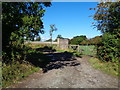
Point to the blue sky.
(71, 19)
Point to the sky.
(71, 19)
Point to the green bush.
(108, 50)
(16, 50)
(107, 19)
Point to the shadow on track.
(50, 59)
(60, 60)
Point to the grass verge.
(107, 67)
(15, 72)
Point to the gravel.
(81, 75)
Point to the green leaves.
(20, 20)
(108, 22)
(108, 50)
(93, 41)
(77, 39)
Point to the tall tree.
(107, 19)
(19, 20)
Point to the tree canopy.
(49, 40)
(20, 21)
(107, 19)
(77, 39)
(93, 41)
(58, 36)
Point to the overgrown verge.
(23, 22)
(107, 20)
(107, 67)
(15, 72)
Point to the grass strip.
(107, 67)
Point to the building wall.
(62, 43)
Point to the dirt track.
(69, 74)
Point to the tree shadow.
(51, 60)
(46, 49)
(60, 60)
(38, 59)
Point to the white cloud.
(43, 38)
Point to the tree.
(19, 20)
(107, 19)
(77, 39)
(93, 41)
(49, 40)
(52, 29)
(58, 36)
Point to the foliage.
(59, 36)
(107, 67)
(107, 19)
(20, 20)
(14, 72)
(108, 49)
(10, 18)
(17, 49)
(93, 41)
(49, 40)
(32, 20)
(77, 39)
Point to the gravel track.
(73, 74)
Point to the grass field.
(88, 50)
